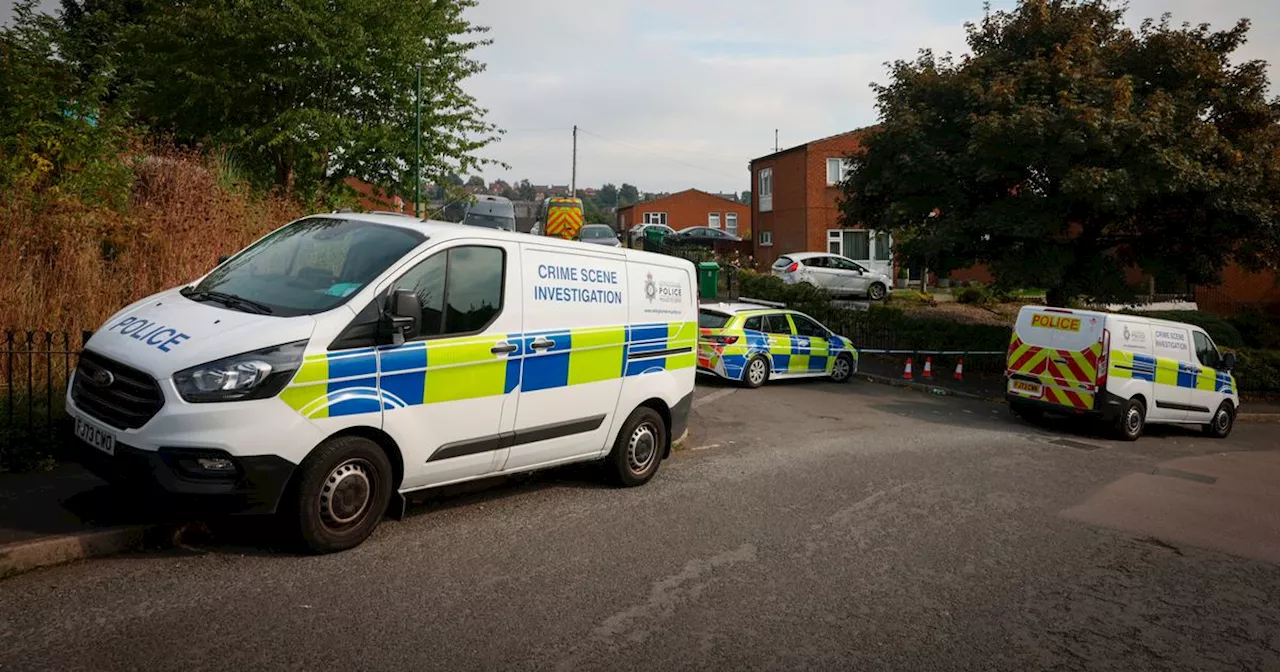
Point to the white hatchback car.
(832, 272)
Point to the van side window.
(460, 290)
(1205, 352)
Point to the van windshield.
(307, 267)
(490, 221)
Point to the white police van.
(346, 360)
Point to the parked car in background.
(491, 212)
(599, 234)
(753, 343)
(638, 231)
(832, 272)
(705, 234)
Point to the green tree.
(312, 91)
(526, 191)
(745, 198)
(1068, 147)
(628, 194)
(609, 194)
(475, 181)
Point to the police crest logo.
(650, 287)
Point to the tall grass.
(67, 264)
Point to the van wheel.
(342, 492)
(639, 448)
(756, 373)
(1132, 420)
(1223, 421)
(876, 291)
(842, 369)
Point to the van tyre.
(842, 369)
(342, 492)
(639, 448)
(1224, 419)
(876, 291)
(756, 373)
(1132, 420)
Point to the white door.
(575, 339)
(1205, 396)
(872, 249)
(450, 394)
(853, 277)
(818, 271)
(1175, 374)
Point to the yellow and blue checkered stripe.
(350, 382)
(1163, 371)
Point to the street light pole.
(417, 135)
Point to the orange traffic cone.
(928, 368)
(906, 373)
(960, 369)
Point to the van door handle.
(541, 344)
(504, 348)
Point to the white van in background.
(1127, 369)
(346, 360)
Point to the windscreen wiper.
(229, 300)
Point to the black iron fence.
(34, 369)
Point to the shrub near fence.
(34, 369)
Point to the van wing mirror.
(402, 321)
(1229, 361)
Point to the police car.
(752, 342)
(346, 360)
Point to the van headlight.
(253, 375)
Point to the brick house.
(793, 206)
(686, 209)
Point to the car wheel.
(1132, 420)
(756, 372)
(1224, 419)
(876, 291)
(842, 369)
(342, 492)
(639, 448)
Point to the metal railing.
(34, 369)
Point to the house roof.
(856, 131)
(679, 193)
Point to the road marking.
(718, 394)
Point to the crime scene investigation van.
(1125, 369)
(345, 360)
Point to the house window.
(731, 223)
(713, 220)
(765, 187)
(655, 218)
(861, 245)
(766, 239)
(837, 169)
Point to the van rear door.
(1053, 356)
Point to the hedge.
(1258, 371)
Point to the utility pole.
(573, 183)
(417, 154)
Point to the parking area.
(805, 523)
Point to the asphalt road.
(806, 526)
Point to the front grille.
(118, 395)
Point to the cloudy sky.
(671, 94)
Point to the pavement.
(806, 525)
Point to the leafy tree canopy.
(1067, 148)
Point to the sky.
(673, 94)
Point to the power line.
(657, 155)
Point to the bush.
(1222, 332)
(803, 296)
(1258, 371)
(977, 295)
(1258, 329)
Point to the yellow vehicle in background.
(560, 216)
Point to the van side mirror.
(402, 321)
(1229, 361)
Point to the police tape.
(965, 353)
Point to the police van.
(346, 360)
(1126, 369)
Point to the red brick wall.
(689, 208)
(820, 199)
(787, 218)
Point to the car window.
(777, 324)
(596, 232)
(843, 264)
(808, 327)
(782, 262)
(708, 319)
(754, 323)
(815, 262)
(460, 290)
(1205, 351)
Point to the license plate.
(98, 438)
(1027, 388)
